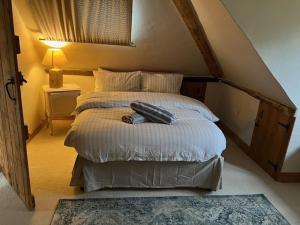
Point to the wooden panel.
(279, 176)
(12, 133)
(191, 19)
(271, 137)
(289, 177)
(194, 89)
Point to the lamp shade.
(54, 58)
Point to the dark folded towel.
(134, 118)
(153, 113)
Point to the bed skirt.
(147, 174)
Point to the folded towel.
(134, 118)
(153, 113)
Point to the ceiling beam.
(191, 19)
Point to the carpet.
(206, 210)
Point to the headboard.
(195, 87)
(192, 86)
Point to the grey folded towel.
(134, 118)
(153, 113)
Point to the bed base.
(146, 174)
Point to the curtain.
(87, 21)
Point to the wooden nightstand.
(60, 103)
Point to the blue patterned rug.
(206, 210)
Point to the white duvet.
(99, 135)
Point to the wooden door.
(271, 137)
(13, 155)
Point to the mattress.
(94, 176)
(99, 135)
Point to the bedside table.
(60, 103)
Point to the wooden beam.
(78, 72)
(201, 79)
(185, 78)
(191, 19)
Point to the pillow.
(161, 82)
(117, 81)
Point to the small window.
(86, 21)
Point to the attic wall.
(238, 58)
(275, 34)
(29, 64)
(241, 64)
(162, 41)
(235, 108)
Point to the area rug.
(206, 210)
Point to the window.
(87, 21)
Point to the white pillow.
(161, 82)
(117, 81)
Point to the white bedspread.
(99, 135)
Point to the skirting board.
(36, 131)
(281, 177)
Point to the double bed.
(113, 154)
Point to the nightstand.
(60, 103)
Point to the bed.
(113, 154)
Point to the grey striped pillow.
(161, 82)
(153, 113)
(117, 81)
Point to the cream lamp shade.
(54, 58)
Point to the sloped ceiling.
(163, 43)
(273, 28)
(239, 59)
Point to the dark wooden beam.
(191, 19)
(185, 78)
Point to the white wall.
(238, 58)
(163, 43)
(235, 108)
(274, 30)
(30, 65)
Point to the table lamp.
(54, 58)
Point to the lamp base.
(55, 78)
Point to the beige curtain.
(88, 21)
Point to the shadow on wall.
(235, 108)
(292, 159)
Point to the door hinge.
(26, 133)
(273, 165)
(21, 78)
(286, 126)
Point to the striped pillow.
(161, 82)
(117, 81)
(153, 113)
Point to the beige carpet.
(51, 165)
